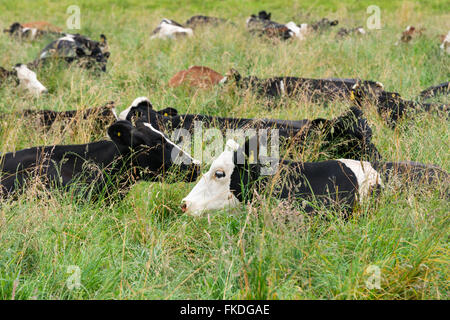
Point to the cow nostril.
(184, 207)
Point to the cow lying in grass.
(24, 77)
(78, 49)
(235, 175)
(440, 89)
(344, 32)
(323, 25)
(103, 167)
(169, 29)
(262, 25)
(199, 20)
(32, 30)
(196, 76)
(329, 89)
(348, 135)
(391, 106)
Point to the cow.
(169, 29)
(24, 77)
(442, 88)
(340, 184)
(409, 33)
(79, 49)
(323, 24)
(32, 30)
(391, 105)
(329, 88)
(344, 32)
(262, 25)
(445, 43)
(196, 76)
(199, 20)
(348, 135)
(104, 167)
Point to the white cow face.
(213, 191)
(28, 80)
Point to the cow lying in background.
(169, 29)
(348, 135)
(391, 106)
(78, 49)
(235, 175)
(330, 89)
(32, 30)
(196, 76)
(442, 88)
(323, 25)
(409, 33)
(344, 32)
(262, 25)
(99, 168)
(23, 77)
(199, 20)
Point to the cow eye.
(219, 174)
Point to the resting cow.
(391, 105)
(103, 167)
(348, 135)
(24, 77)
(196, 76)
(32, 30)
(330, 89)
(334, 184)
(169, 29)
(199, 20)
(262, 25)
(78, 49)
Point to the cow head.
(213, 191)
(151, 151)
(142, 109)
(14, 29)
(232, 76)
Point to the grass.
(143, 247)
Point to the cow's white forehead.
(29, 80)
(123, 115)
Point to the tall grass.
(143, 246)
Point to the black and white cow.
(24, 77)
(392, 106)
(262, 25)
(79, 49)
(329, 89)
(440, 89)
(33, 30)
(334, 184)
(200, 20)
(348, 135)
(344, 32)
(169, 29)
(323, 24)
(134, 152)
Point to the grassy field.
(144, 247)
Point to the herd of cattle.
(139, 147)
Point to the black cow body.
(330, 89)
(349, 135)
(77, 48)
(439, 89)
(199, 20)
(335, 184)
(105, 166)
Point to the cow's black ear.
(80, 52)
(123, 133)
(106, 54)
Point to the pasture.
(144, 247)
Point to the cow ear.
(123, 133)
(79, 52)
(106, 54)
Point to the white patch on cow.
(148, 125)
(29, 81)
(282, 87)
(167, 30)
(361, 30)
(445, 45)
(123, 115)
(114, 112)
(33, 32)
(212, 191)
(223, 80)
(300, 32)
(366, 176)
